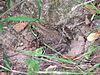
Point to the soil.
(64, 31)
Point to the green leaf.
(98, 11)
(39, 8)
(19, 18)
(91, 5)
(33, 65)
(1, 27)
(6, 62)
(39, 51)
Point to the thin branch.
(12, 70)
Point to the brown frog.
(52, 38)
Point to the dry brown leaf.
(93, 36)
(20, 26)
(77, 46)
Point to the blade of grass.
(90, 50)
(94, 67)
(98, 11)
(39, 8)
(1, 27)
(37, 54)
(31, 29)
(89, 71)
(60, 59)
(6, 62)
(93, 6)
(8, 4)
(58, 72)
(19, 18)
(93, 16)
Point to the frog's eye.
(93, 36)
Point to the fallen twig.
(73, 8)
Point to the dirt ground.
(65, 30)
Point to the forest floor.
(60, 38)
